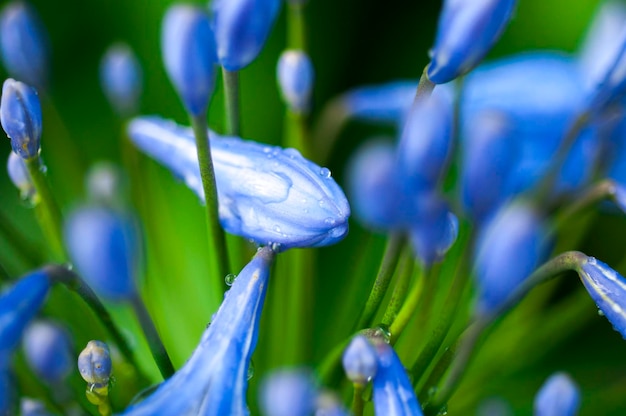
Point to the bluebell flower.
(48, 350)
(121, 77)
(24, 44)
(288, 393)
(214, 380)
(267, 194)
(384, 103)
(465, 33)
(295, 75)
(19, 175)
(241, 29)
(18, 305)
(509, 249)
(94, 364)
(359, 360)
(103, 245)
(20, 114)
(559, 396)
(393, 392)
(608, 290)
(188, 47)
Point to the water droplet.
(383, 332)
(325, 172)
(330, 221)
(321, 202)
(276, 228)
(600, 312)
(306, 210)
(207, 325)
(275, 247)
(230, 279)
(250, 370)
(443, 411)
(592, 260)
(267, 149)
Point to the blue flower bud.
(267, 194)
(24, 44)
(426, 142)
(466, 32)
(288, 393)
(48, 351)
(295, 75)
(393, 392)
(20, 115)
(241, 29)
(359, 360)
(121, 77)
(385, 103)
(434, 228)
(103, 245)
(19, 175)
(509, 249)
(94, 364)
(33, 407)
(559, 396)
(214, 380)
(608, 290)
(488, 156)
(106, 184)
(188, 48)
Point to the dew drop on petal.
(250, 373)
(325, 172)
(230, 279)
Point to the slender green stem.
(406, 267)
(296, 132)
(357, 399)
(395, 243)
(152, 336)
(564, 262)
(296, 26)
(411, 303)
(231, 101)
(217, 240)
(73, 282)
(49, 214)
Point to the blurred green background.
(352, 42)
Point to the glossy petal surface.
(20, 115)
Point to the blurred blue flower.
(288, 393)
(559, 396)
(328, 404)
(48, 350)
(509, 248)
(241, 29)
(392, 389)
(466, 32)
(434, 228)
(94, 364)
(121, 77)
(20, 114)
(33, 407)
(188, 47)
(268, 194)
(103, 245)
(359, 360)
(384, 103)
(24, 44)
(19, 175)
(214, 380)
(295, 75)
(608, 290)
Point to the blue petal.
(359, 360)
(559, 396)
(267, 194)
(48, 350)
(120, 75)
(20, 114)
(214, 380)
(288, 393)
(295, 76)
(434, 229)
(388, 103)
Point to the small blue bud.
(19, 175)
(20, 115)
(121, 77)
(18, 305)
(359, 360)
(24, 44)
(188, 48)
(295, 75)
(393, 392)
(94, 364)
(425, 144)
(214, 380)
(385, 103)
(48, 351)
(608, 290)
(509, 249)
(241, 29)
(288, 393)
(267, 194)
(434, 228)
(33, 407)
(466, 32)
(103, 245)
(488, 156)
(559, 396)
(106, 184)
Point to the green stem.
(406, 267)
(357, 399)
(73, 282)
(296, 132)
(411, 303)
(599, 191)
(231, 101)
(564, 262)
(217, 240)
(296, 26)
(49, 214)
(395, 243)
(152, 336)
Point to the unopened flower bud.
(120, 76)
(359, 360)
(559, 396)
(94, 363)
(20, 115)
(295, 76)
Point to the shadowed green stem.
(357, 399)
(231, 102)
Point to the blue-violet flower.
(295, 76)
(48, 350)
(20, 115)
(121, 77)
(559, 396)
(288, 393)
